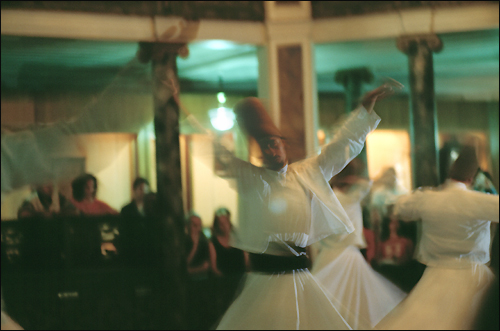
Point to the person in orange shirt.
(84, 196)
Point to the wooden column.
(291, 98)
(287, 82)
(172, 257)
(352, 80)
(423, 118)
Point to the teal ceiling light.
(219, 44)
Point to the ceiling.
(466, 68)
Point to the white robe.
(365, 295)
(293, 207)
(455, 247)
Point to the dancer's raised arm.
(349, 140)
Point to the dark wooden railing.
(56, 276)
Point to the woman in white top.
(455, 246)
(284, 209)
(341, 268)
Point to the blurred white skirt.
(282, 301)
(366, 296)
(443, 299)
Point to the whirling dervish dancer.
(284, 208)
(455, 246)
(339, 265)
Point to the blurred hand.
(108, 247)
(383, 91)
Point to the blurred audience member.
(198, 267)
(137, 229)
(46, 201)
(135, 209)
(84, 196)
(385, 191)
(394, 249)
(370, 250)
(227, 262)
(198, 259)
(447, 155)
(483, 182)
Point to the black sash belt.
(274, 263)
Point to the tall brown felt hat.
(466, 165)
(254, 120)
(352, 171)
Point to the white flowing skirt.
(286, 301)
(366, 296)
(443, 299)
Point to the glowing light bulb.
(221, 97)
(222, 118)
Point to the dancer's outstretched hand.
(383, 91)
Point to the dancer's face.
(273, 150)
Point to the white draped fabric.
(366, 296)
(27, 155)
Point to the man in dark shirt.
(134, 229)
(135, 209)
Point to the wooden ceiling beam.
(80, 25)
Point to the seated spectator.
(198, 267)
(197, 248)
(227, 262)
(135, 209)
(46, 201)
(84, 197)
